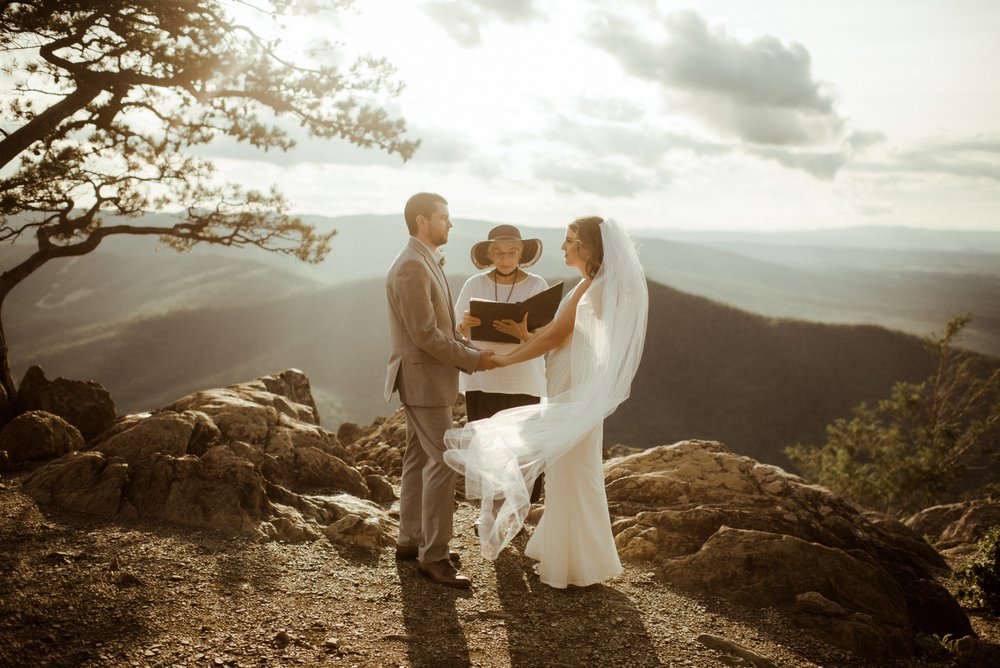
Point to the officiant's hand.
(486, 361)
(468, 322)
(518, 330)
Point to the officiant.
(506, 255)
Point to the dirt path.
(79, 591)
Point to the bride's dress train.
(573, 541)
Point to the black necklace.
(496, 296)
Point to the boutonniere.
(442, 261)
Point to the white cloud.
(822, 165)
(975, 157)
(448, 148)
(862, 139)
(460, 21)
(641, 144)
(307, 149)
(610, 109)
(606, 178)
(609, 154)
(511, 11)
(539, 121)
(761, 91)
(463, 19)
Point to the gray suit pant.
(427, 490)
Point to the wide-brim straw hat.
(530, 252)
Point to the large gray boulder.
(296, 451)
(291, 384)
(241, 460)
(84, 404)
(725, 525)
(38, 435)
(381, 445)
(86, 482)
(956, 525)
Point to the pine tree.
(109, 96)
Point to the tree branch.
(43, 124)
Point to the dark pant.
(481, 405)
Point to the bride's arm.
(548, 337)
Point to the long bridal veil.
(503, 455)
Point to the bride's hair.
(588, 235)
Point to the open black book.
(541, 308)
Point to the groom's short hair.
(421, 204)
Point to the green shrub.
(979, 579)
(923, 445)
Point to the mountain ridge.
(709, 370)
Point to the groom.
(424, 360)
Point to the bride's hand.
(501, 360)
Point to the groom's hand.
(486, 361)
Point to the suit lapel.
(438, 274)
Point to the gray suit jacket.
(425, 352)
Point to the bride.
(595, 343)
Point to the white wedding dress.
(573, 541)
(588, 377)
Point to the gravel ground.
(76, 590)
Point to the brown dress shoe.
(444, 573)
(409, 553)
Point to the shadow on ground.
(429, 612)
(63, 622)
(547, 626)
(78, 589)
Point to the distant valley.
(906, 279)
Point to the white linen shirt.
(524, 378)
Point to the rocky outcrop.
(294, 385)
(84, 404)
(286, 440)
(86, 482)
(38, 435)
(620, 450)
(725, 525)
(248, 459)
(956, 525)
(381, 444)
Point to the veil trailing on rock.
(503, 455)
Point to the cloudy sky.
(722, 114)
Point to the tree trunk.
(8, 393)
(13, 277)
(8, 281)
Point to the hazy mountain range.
(152, 325)
(908, 279)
